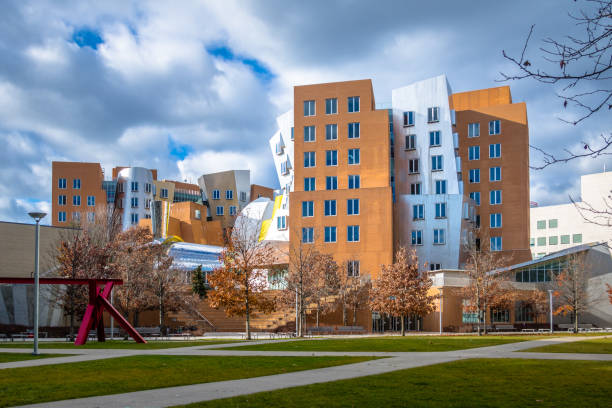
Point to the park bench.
(5, 337)
(185, 335)
(504, 327)
(149, 331)
(528, 330)
(350, 329)
(320, 330)
(489, 328)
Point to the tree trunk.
(248, 317)
(354, 315)
(72, 317)
(403, 326)
(343, 314)
(136, 318)
(317, 317)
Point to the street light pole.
(37, 217)
(550, 295)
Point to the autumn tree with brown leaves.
(401, 290)
(239, 284)
(353, 290)
(165, 283)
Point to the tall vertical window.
(494, 127)
(417, 237)
(353, 104)
(352, 233)
(61, 200)
(243, 196)
(495, 220)
(495, 174)
(61, 216)
(330, 208)
(147, 187)
(436, 163)
(440, 210)
(330, 234)
(134, 202)
(281, 222)
(418, 212)
(352, 206)
(219, 210)
(91, 201)
(353, 156)
(229, 194)
(331, 183)
(440, 186)
(331, 106)
(309, 184)
(496, 243)
(475, 195)
(331, 158)
(409, 118)
(134, 218)
(495, 197)
(309, 108)
(434, 138)
(232, 210)
(354, 181)
(352, 268)
(292, 132)
(331, 132)
(415, 189)
(495, 151)
(433, 114)
(164, 193)
(473, 129)
(474, 153)
(439, 237)
(134, 186)
(413, 166)
(474, 175)
(307, 208)
(76, 184)
(308, 235)
(410, 142)
(61, 183)
(309, 159)
(216, 195)
(353, 130)
(309, 133)
(76, 200)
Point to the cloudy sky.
(194, 86)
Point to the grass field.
(594, 346)
(118, 344)
(407, 344)
(118, 375)
(470, 383)
(9, 357)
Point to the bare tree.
(165, 283)
(353, 291)
(326, 285)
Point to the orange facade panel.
(481, 98)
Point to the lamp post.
(37, 217)
(440, 307)
(550, 295)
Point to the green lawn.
(125, 374)
(9, 357)
(408, 343)
(469, 383)
(118, 344)
(595, 346)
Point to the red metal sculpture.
(98, 302)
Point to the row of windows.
(331, 106)
(437, 164)
(330, 234)
(555, 240)
(331, 182)
(76, 216)
(418, 211)
(433, 115)
(76, 200)
(331, 132)
(494, 128)
(331, 158)
(439, 236)
(553, 223)
(440, 188)
(494, 175)
(62, 183)
(229, 195)
(220, 210)
(494, 152)
(329, 206)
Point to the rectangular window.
(353, 156)
(439, 237)
(353, 130)
(541, 224)
(330, 208)
(473, 129)
(76, 200)
(61, 200)
(331, 106)
(354, 181)
(232, 210)
(413, 166)
(292, 133)
(409, 118)
(61, 216)
(415, 189)
(216, 195)
(434, 138)
(417, 237)
(531, 243)
(496, 243)
(474, 175)
(418, 212)
(433, 114)
(352, 206)
(440, 210)
(541, 241)
(243, 196)
(495, 197)
(352, 233)
(91, 201)
(331, 132)
(307, 208)
(353, 104)
(410, 142)
(330, 234)
(553, 223)
(495, 151)
(577, 238)
(474, 153)
(495, 220)
(281, 222)
(331, 183)
(331, 158)
(309, 159)
(134, 186)
(436, 163)
(229, 194)
(148, 204)
(76, 184)
(308, 235)
(91, 217)
(475, 195)
(164, 193)
(440, 186)
(495, 174)
(435, 266)
(147, 187)
(219, 210)
(309, 133)
(76, 216)
(500, 316)
(352, 268)
(494, 127)
(309, 184)
(134, 218)
(554, 240)
(309, 108)
(565, 239)
(61, 183)
(134, 202)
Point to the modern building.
(134, 194)
(226, 193)
(558, 227)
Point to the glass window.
(495, 151)
(439, 236)
(541, 224)
(410, 142)
(541, 241)
(436, 163)
(331, 158)
(243, 195)
(352, 233)
(554, 240)
(62, 183)
(577, 238)
(61, 216)
(309, 159)
(309, 133)
(416, 237)
(532, 242)
(353, 156)
(473, 129)
(76, 200)
(565, 239)
(496, 243)
(352, 268)
(418, 212)
(134, 186)
(330, 234)
(292, 132)
(496, 220)
(433, 114)
(353, 181)
(413, 166)
(331, 132)
(434, 138)
(61, 200)
(352, 206)
(440, 210)
(500, 316)
(307, 208)
(353, 130)
(474, 153)
(281, 222)
(552, 223)
(232, 210)
(309, 184)
(331, 106)
(353, 104)
(415, 189)
(134, 202)
(331, 183)
(134, 218)
(216, 195)
(229, 194)
(330, 208)
(495, 174)
(409, 118)
(495, 197)
(308, 235)
(494, 127)
(475, 195)
(474, 175)
(440, 186)
(309, 108)
(76, 184)
(91, 201)
(219, 210)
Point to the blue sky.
(195, 87)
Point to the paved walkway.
(164, 397)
